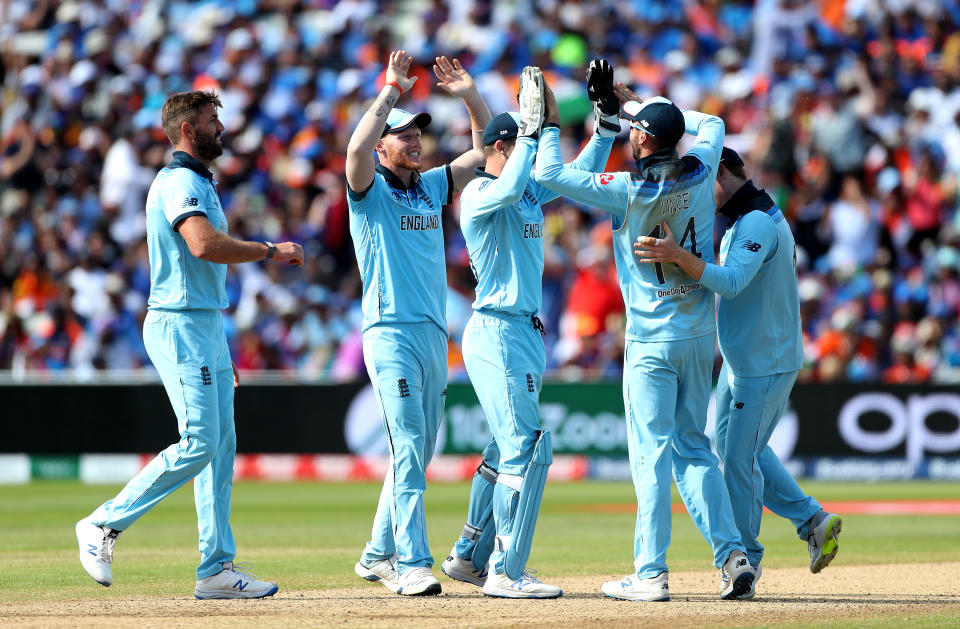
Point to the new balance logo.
(738, 405)
(240, 585)
(403, 387)
(92, 549)
(752, 246)
(190, 202)
(205, 375)
(530, 387)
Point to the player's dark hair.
(737, 170)
(184, 107)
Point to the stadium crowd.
(847, 110)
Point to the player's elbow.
(201, 249)
(547, 173)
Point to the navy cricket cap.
(656, 116)
(730, 157)
(399, 119)
(502, 127)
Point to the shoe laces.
(243, 568)
(417, 573)
(106, 546)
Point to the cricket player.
(395, 222)
(189, 251)
(758, 325)
(503, 348)
(670, 332)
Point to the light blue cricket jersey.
(398, 239)
(178, 279)
(758, 320)
(663, 303)
(502, 223)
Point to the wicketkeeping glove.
(531, 101)
(605, 104)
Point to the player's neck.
(405, 175)
(190, 150)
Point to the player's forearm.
(707, 128)
(508, 188)
(479, 117)
(360, 164)
(725, 281)
(594, 155)
(689, 263)
(220, 248)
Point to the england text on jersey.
(533, 230)
(417, 222)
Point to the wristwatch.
(271, 248)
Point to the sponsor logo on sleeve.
(190, 202)
(751, 246)
(605, 178)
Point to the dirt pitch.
(784, 595)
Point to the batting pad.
(528, 506)
(480, 527)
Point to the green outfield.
(307, 536)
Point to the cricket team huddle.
(662, 221)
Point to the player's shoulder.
(758, 219)
(181, 179)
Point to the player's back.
(664, 303)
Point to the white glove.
(532, 102)
(605, 126)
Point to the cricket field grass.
(898, 565)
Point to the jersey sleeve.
(753, 240)
(488, 195)
(710, 133)
(184, 197)
(592, 158)
(438, 182)
(609, 192)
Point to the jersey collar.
(747, 199)
(480, 172)
(662, 155)
(395, 181)
(182, 159)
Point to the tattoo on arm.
(384, 108)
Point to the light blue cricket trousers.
(407, 364)
(189, 350)
(748, 409)
(666, 389)
(505, 358)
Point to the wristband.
(271, 248)
(550, 125)
(396, 85)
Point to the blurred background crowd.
(847, 112)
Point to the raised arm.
(710, 133)
(453, 79)
(609, 192)
(360, 162)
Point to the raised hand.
(397, 68)
(600, 87)
(552, 109)
(624, 94)
(531, 101)
(453, 79)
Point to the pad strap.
(512, 481)
(487, 473)
(471, 532)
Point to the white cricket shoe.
(498, 584)
(633, 588)
(753, 585)
(739, 575)
(463, 570)
(383, 571)
(234, 581)
(824, 542)
(96, 550)
(418, 581)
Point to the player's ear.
(186, 131)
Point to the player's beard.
(209, 147)
(400, 160)
(636, 151)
